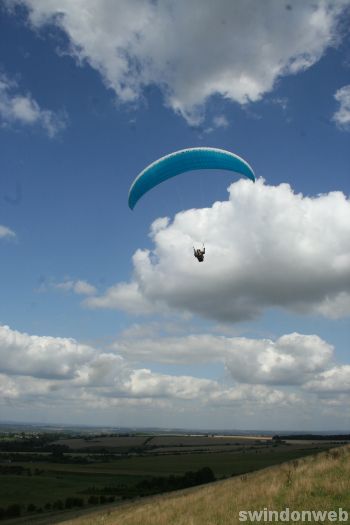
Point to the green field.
(222, 464)
(52, 473)
(50, 487)
(320, 482)
(59, 481)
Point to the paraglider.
(199, 254)
(182, 161)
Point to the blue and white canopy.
(186, 160)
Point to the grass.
(320, 482)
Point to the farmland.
(321, 481)
(58, 472)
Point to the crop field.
(151, 442)
(61, 481)
(187, 441)
(45, 481)
(319, 482)
(222, 464)
(52, 481)
(105, 442)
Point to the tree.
(13, 511)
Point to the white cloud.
(16, 108)
(335, 307)
(8, 388)
(140, 331)
(220, 121)
(290, 360)
(84, 288)
(117, 378)
(79, 287)
(335, 380)
(144, 383)
(193, 50)
(266, 247)
(123, 296)
(40, 356)
(25, 389)
(342, 116)
(104, 370)
(54, 361)
(258, 395)
(6, 232)
(66, 377)
(173, 350)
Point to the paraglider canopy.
(182, 161)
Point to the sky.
(106, 318)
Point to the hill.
(319, 483)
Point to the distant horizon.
(170, 429)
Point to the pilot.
(199, 254)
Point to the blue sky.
(100, 316)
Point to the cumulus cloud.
(334, 380)
(266, 247)
(6, 232)
(62, 374)
(290, 360)
(144, 383)
(16, 108)
(78, 366)
(342, 116)
(118, 379)
(62, 369)
(257, 395)
(104, 370)
(8, 388)
(40, 356)
(25, 388)
(193, 50)
(123, 296)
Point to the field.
(319, 483)
(41, 482)
(163, 441)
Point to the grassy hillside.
(320, 482)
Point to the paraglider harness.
(199, 254)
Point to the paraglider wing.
(186, 160)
